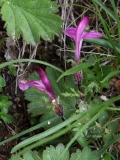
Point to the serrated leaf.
(76, 155)
(7, 118)
(31, 18)
(4, 102)
(31, 156)
(37, 105)
(32, 94)
(37, 108)
(52, 153)
(87, 154)
(94, 156)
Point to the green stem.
(29, 60)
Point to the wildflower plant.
(43, 85)
(79, 34)
(56, 103)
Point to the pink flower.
(79, 34)
(45, 86)
(41, 85)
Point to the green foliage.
(93, 77)
(111, 15)
(104, 43)
(12, 70)
(2, 83)
(63, 86)
(35, 19)
(31, 18)
(4, 104)
(104, 128)
(54, 153)
(40, 103)
(107, 157)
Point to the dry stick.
(65, 18)
(33, 54)
(19, 64)
(72, 15)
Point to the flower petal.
(91, 34)
(71, 32)
(77, 51)
(23, 85)
(46, 83)
(79, 36)
(81, 27)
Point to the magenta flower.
(43, 85)
(79, 34)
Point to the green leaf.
(32, 94)
(31, 156)
(4, 102)
(87, 154)
(75, 69)
(113, 126)
(103, 119)
(37, 105)
(31, 18)
(106, 69)
(110, 143)
(76, 155)
(105, 8)
(2, 83)
(106, 157)
(7, 118)
(29, 60)
(12, 70)
(47, 117)
(110, 75)
(104, 43)
(52, 153)
(107, 138)
(1, 2)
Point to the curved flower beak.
(46, 82)
(79, 34)
(41, 85)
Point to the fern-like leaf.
(31, 18)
